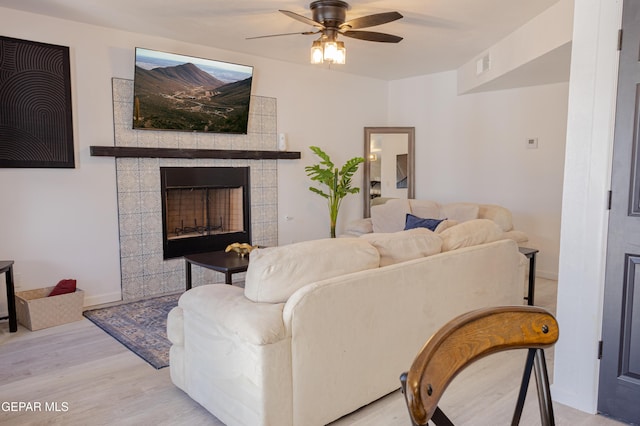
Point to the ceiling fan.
(329, 17)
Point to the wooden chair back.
(467, 338)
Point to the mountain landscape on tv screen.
(185, 97)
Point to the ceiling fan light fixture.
(323, 50)
(329, 18)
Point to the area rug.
(140, 326)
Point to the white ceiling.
(439, 35)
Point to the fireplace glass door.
(194, 212)
(204, 208)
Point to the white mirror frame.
(368, 134)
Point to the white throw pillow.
(470, 233)
(425, 208)
(275, 273)
(390, 216)
(401, 246)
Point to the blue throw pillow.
(412, 222)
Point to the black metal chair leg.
(544, 392)
(526, 376)
(440, 419)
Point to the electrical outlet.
(532, 143)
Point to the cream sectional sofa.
(388, 215)
(321, 329)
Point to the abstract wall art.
(36, 123)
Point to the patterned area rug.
(140, 326)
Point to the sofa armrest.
(518, 236)
(175, 326)
(500, 215)
(359, 227)
(229, 313)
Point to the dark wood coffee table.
(228, 263)
(6, 267)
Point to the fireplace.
(145, 272)
(204, 209)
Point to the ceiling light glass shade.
(341, 54)
(316, 52)
(330, 51)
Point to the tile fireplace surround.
(143, 270)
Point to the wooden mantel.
(229, 154)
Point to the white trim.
(592, 93)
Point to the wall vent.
(483, 64)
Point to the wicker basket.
(36, 311)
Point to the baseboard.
(571, 399)
(102, 299)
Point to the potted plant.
(337, 181)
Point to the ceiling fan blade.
(284, 34)
(301, 18)
(371, 20)
(373, 36)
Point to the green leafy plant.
(337, 181)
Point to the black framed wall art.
(36, 122)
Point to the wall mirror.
(389, 164)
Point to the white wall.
(473, 148)
(592, 90)
(63, 223)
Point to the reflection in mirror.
(389, 164)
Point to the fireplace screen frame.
(205, 178)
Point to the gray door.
(619, 391)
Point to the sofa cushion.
(461, 212)
(390, 216)
(444, 225)
(470, 233)
(413, 222)
(498, 214)
(425, 208)
(275, 273)
(401, 246)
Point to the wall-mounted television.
(185, 93)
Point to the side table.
(225, 262)
(6, 267)
(530, 253)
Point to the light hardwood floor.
(91, 379)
